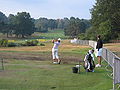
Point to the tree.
(3, 18)
(11, 24)
(106, 18)
(3, 22)
(60, 23)
(24, 24)
(42, 25)
(76, 26)
(52, 24)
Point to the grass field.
(51, 34)
(31, 68)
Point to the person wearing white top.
(55, 56)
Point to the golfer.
(55, 56)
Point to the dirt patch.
(42, 53)
(39, 56)
(24, 56)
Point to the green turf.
(51, 34)
(43, 75)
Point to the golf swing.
(55, 56)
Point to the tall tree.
(106, 18)
(41, 24)
(24, 24)
(3, 22)
(60, 23)
(52, 24)
(3, 18)
(11, 24)
(75, 26)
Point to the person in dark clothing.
(99, 47)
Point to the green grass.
(43, 75)
(51, 34)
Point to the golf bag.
(89, 64)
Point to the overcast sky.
(48, 8)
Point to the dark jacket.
(99, 44)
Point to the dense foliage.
(106, 19)
(76, 26)
(20, 25)
(13, 43)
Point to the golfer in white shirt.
(56, 59)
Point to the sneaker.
(55, 62)
(59, 62)
(98, 65)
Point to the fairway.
(31, 68)
(51, 34)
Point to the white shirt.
(56, 44)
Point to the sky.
(52, 9)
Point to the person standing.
(55, 56)
(99, 47)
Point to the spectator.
(99, 50)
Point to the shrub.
(41, 44)
(31, 43)
(3, 43)
(12, 44)
(35, 42)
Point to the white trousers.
(55, 53)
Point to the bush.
(82, 36)
(3, 43)
(41, 44)
(12, 44)
(35, 42)
(23, 44)
(31, 43)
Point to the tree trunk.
(23, 36)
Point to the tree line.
(105, 20)
(22, 25)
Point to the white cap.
(59, 39)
